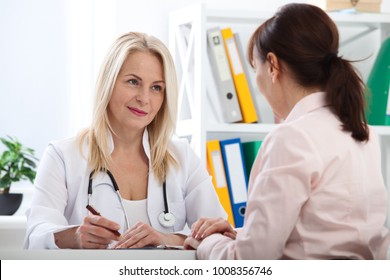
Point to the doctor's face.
(138, 92)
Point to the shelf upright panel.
(187, 44)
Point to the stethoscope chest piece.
(166, 219)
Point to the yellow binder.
(247, 106)
(217, 172)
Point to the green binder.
(378, 84)
(250, 150)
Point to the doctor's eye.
(157, 88)
(133, 82)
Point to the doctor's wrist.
(67, 239)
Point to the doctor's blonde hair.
(160, 129)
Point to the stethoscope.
(166, 219)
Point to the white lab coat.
(60, 195)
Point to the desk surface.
(127, 254)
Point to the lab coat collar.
(145, 143)
(307, 104)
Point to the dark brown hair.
(306, 40)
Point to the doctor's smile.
(137, 112)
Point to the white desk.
(128, 254)
(13, 229)
(12, 232)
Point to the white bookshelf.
(361, 35)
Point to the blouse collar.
(307, 104)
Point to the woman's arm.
(46, 214)
(48, 224)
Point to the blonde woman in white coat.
(128, 145)
(315, 190)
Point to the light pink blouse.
(314, 193)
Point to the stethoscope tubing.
(116, 189)
(166, 219)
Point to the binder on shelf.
(245, 100)
(378, 84)
(236, 178)
(217, 172)
(250, 150)
(223, 76)
(215, 112)
(245, 65)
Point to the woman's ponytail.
(345, 94)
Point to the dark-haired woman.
(316, 190)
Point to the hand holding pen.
(97, 232)
(93, 211)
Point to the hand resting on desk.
(141, 235)
(205, 227)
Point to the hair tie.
(329, 58)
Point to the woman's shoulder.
(180, 149)
(178, 145)
(65, 143)
(65, 147)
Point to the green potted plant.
(17, 163)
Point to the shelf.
(382, 130)
(262, 129)
(188, 45)
(364, 18)
(240, 128)
(241, 17)
(256, 17)
(361, 35)
(266, 128)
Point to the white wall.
(34, 105)
(50, 51)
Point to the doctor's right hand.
(96, 232)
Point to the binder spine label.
(237, 176)
(222, 62)
(218, 169)
(234, 56)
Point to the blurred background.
(51, 51)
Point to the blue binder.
(233, 159)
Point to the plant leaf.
(16, 162)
